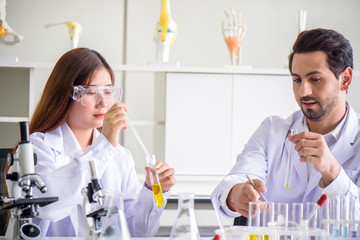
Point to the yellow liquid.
(158, 195)
(254, 237)
(287, 185)
(265, 237)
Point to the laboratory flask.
(185, 226)
(115, 224)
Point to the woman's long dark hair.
(74, 68)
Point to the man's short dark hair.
(337, 48)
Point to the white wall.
(272, 27)
(102, 28)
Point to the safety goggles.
(92, 96)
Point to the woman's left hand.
(166, 176)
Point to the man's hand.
(313, 149)
(243, 193)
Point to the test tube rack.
(270, 233)
(341, 229)
(275, 233)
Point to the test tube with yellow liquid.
(155, 183)
(154, 177)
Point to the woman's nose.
(101, 102)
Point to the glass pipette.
(150, 161)
(289, 164)
(254, 186)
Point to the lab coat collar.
(69, 144)
(342, 149)
(51, 139)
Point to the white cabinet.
(198, 123)
(210, 117)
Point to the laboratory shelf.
(13, 119)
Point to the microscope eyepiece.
(24, 132)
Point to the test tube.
(282, 214)
(254, 218)
(268, 215)
(335, 209)
(268, 219)
(289, 163)
(282, 220)
(297, 213)
(150, 161)
(354, 217)
(312, 220)
(324, 217)
(345, 215)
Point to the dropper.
(150, 161)
(319, 204)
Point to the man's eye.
(297, 80)
(315, 79)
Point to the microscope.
(94, 193)
(23, 206)
(102, 200)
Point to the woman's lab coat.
(64, 168)
(265, 155)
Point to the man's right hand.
(243, 193)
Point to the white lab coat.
(65, 170)
(265, 155)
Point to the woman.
(77, 100)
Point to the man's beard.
(324, 111)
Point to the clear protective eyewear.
(92, 96)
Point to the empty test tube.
(289, 163)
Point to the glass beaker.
(185, 226)
(115, 224)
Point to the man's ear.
(346, 78)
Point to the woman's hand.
(114, 121)
(166, 176)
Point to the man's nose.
(305, 89)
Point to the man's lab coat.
(265, 155)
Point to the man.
(325, 152)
